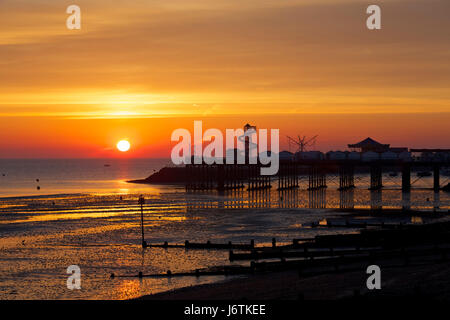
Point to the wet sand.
(416, 274)
(428, 281)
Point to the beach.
(86, 218)
(408, 266)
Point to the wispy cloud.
(291, 56)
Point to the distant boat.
(393, 174)
(107, 165)
(424, 174)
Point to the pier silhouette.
(247, 176)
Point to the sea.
(56, 213)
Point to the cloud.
(315, 54)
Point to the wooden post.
(141, 202)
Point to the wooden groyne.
(428, 243)
(206, 245)
(356, 260)
(331, 261)
(305, 253)
(354, 224)
(215, 271)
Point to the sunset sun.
(123, 145)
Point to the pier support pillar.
(220, 177)
(287, 177)
(376, 200)
(346, 199)
(436, 182)
(346, 177)
(317, 199)
(406, 177)
(376, 182)
(256, 181)
(188, 177)
(406, 201)
(317, 178)
(312, 179)
(436, 201)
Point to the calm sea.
(85, 214)
(18, 177)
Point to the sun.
(123, 145)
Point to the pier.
(247, 176)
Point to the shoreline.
(430, 281)
(327, 269)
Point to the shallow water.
(98, 229)
(101, 234)
(18, 177)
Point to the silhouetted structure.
(229, 177)
(369, 144)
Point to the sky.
(139, 69)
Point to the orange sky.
(140, 69)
